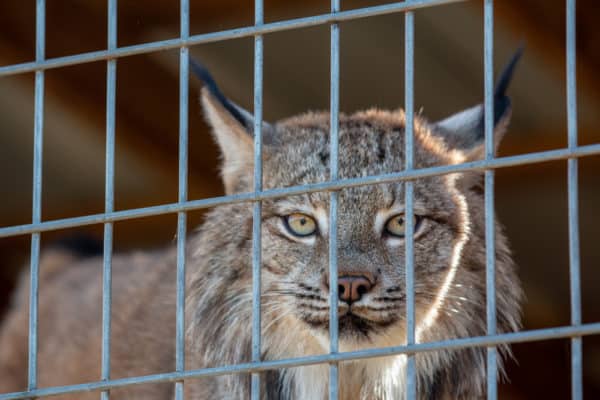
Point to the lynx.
(449, 254)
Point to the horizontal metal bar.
(502, 162)
(477, 341)
(222, 35)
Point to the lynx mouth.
(352, 326)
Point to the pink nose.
(351, 288)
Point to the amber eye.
(395, 225)
(300, 224)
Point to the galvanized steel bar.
(109, 198)
(184, 62)
(38, 140)
(409, 54)
(572, 184)
(490, 238)
(257, 209)
(451, 344)
(222, 35)
(490, 248)
(190, 205)
(334, 108)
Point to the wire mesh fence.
(489, 164)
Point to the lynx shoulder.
(449, 262)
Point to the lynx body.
(449, 256)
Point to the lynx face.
(370, 226)
(449, 251)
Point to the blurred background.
(531, 201)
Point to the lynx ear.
(465, 130)
(233, 131)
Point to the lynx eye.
(395, 226)
(300, 224)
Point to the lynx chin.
(449, 255)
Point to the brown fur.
(449, 269)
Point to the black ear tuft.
(506, 75)
(465, 130)
(501, 100)
(204, 75)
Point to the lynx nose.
(351, 288)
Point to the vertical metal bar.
(111, 88)
(257, 209)
(490, 248)
(333, 201)
(184, 62)
(572, 172)
(38, 140)
(409, 44)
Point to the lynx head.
(448, 222)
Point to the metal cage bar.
(409, 52)
(40, 28)
(222, 35)
(573, 200)
(184, 62)
(575, 331)
(452, 344)
(334, 108)
(190, 205)
(490, 226)
(109, 195)
(257, 207)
